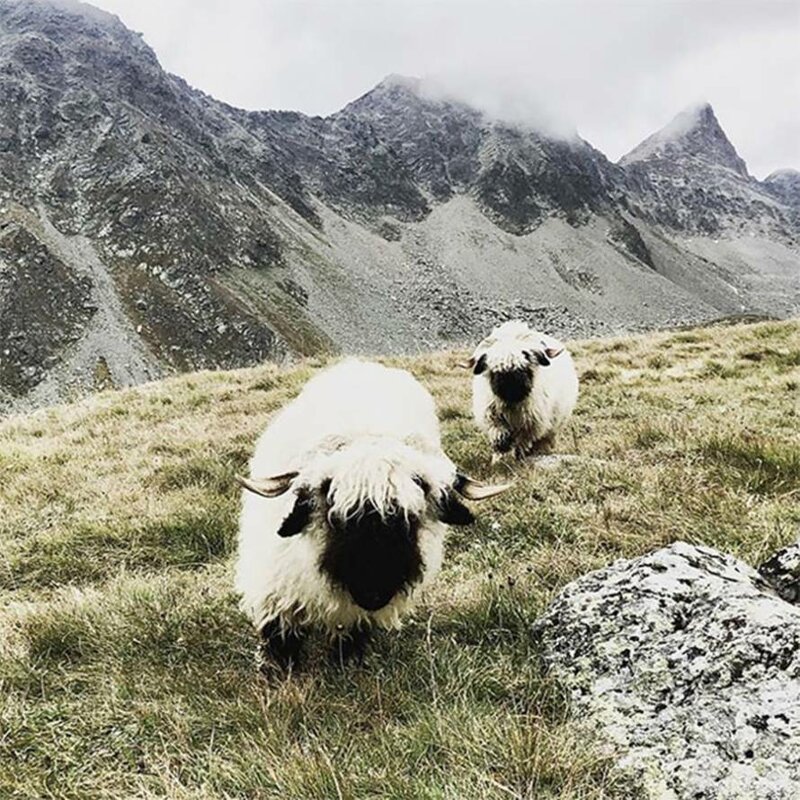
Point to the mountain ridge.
(222, 237)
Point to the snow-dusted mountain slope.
(689, 177)
(146, 227)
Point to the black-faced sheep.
(524, 389)
(345, 512)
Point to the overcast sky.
(616, 71)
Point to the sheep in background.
(524, 389)
(344, 515)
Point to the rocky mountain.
(688, 176)
(785, 185)
(146, 227)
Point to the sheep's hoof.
(503, 444)
(278, 648)
(502, 448)
(349, 648)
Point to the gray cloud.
(614, 70)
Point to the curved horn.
(268, 487)
(468, 364)
(475, 490)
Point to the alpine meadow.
(399, 400)
(127, 670)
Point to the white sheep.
(344, 515)
(524, 389)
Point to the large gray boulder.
(782, 572)
(684, 664)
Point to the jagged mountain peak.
(701, 113)
(33, 28)
(38, 12)
(519, 174)
(695, 133)
(783, 174)
(403, 94)
(785, 185)
(404, 82)
(394, 90)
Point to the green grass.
(126, 669)
(755, 463)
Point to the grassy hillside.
(127, 671)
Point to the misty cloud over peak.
(510, 109)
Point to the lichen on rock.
(782, 572)
(685, 664)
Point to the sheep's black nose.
(372, 601)
(512, 386)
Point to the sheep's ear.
(298, 517)
(452, 511)
(552, 352)
(475, 490)
(268, 487)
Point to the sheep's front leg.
(500, 436)
(501, 441)
(349, 646)
(279, 646)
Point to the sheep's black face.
(373, 557)
(512, 386)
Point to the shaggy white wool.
(554, 391)
(369, 430)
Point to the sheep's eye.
(299, 516)
(480, 365)
(542, 359)
(422, 483)
(536, 357)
